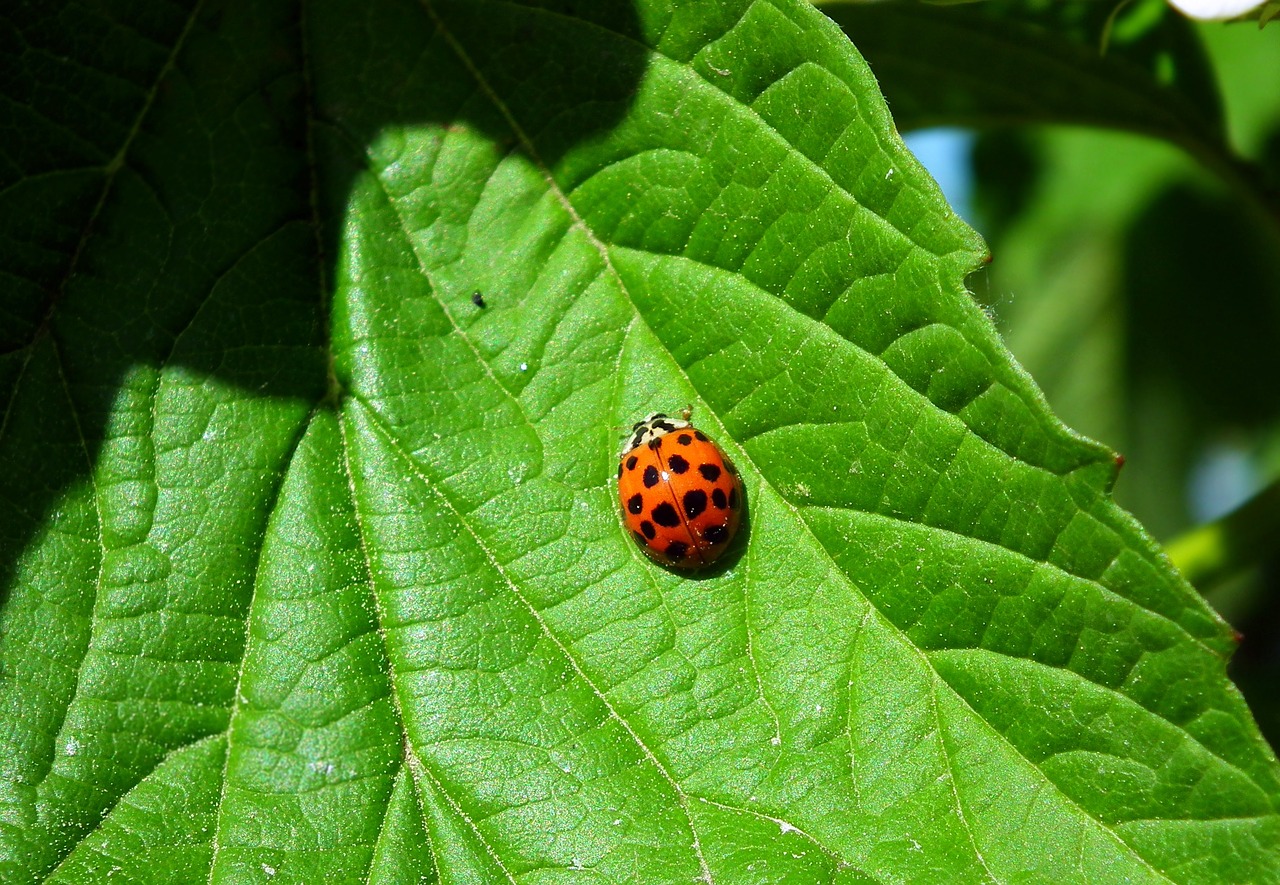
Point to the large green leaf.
(312, 567)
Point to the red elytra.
(681, 496)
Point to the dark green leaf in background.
(312, 566)
(1138, 68)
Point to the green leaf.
(1136, 66)
(312, 566)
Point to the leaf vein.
(544, 628)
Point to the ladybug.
(681, 497)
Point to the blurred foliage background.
(1122, 162)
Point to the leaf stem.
(1245, 537)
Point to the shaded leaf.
(1140, 68)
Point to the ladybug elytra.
(681, 497)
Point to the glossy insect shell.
(681, 497)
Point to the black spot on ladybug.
(733, 499)
(702, 437)
(716, 534)
(635, 504)
(718, 499)
(631, 462)
(650, 476)
(647, 528)
(676, 550)
(710, 472)
(695, 501)
(684, 439)
(665, 515)
(655, 443)
(677, 464)
(640, 539)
